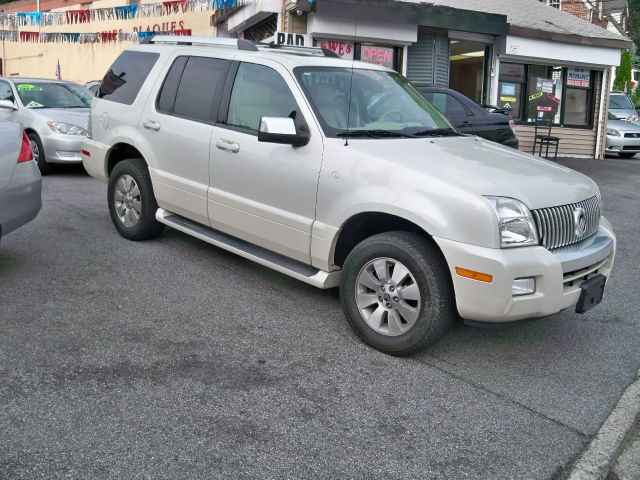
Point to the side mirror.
(8, 104)
(281, 130)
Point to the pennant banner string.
(11, 21)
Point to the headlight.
(515, 223)
(632, 118)
(613, 132)
(67, 128)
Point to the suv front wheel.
(396, 292)
(132, 204)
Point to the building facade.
(516, 54)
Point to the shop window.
(544, 93)
(578, 95)
(563, 95)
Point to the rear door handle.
(151, 125)
(227, 145)
(466, 123)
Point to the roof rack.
(299, 49)
(239, 43)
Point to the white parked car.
(342, 176)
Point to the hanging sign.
(292, 39)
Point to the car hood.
(484, 168)
(73, 116)
(623, 126)
(622, 113)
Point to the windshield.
(383, 104)
(53, 95)
(621, 102)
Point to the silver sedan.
(623, 137)
(55, 115)
(20, 180)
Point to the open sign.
(383, 56)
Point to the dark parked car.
(469, 117)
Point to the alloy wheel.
(127, 201)
(388, 296)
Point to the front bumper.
(20, 201)
(60, 148)
(558, 276)
(617, 144)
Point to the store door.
(468, 65)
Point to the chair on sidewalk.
(545, 139)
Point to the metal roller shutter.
(428, 61)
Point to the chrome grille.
(556, 225)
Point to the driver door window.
(259, 91)
(5, 92)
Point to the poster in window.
(578, 77)
(507, 89)
(340, 47)
(544, 85)
(543, 105)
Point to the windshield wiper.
(439, 132)
(373, 134)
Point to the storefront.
(536, 61)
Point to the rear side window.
(124, 79)
(446, 104)
(193, 87)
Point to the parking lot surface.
(174, 359)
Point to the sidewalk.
(627, 466)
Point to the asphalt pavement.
(174, 359)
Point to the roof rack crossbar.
(300, 49)
(239, 43)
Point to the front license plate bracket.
(591, 293)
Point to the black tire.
(437, 312)
(147, 226)
(626, 154)
(45, 168)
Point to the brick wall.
(576, 8)
(30, 5)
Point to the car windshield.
(53, 95)
(621, 102)
(383, 104)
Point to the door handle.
(151, 125)
(227, 146)
(466, 123)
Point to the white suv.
(343, 174)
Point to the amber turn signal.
(481, 277)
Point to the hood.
(622, 113)
(623, 126)
(485, 168)
(73, 116)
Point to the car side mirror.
(8, 104)
(281, 130)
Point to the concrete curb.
(597, 460)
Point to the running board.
(275, 261)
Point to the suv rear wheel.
(132, 204)
(396, 292)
